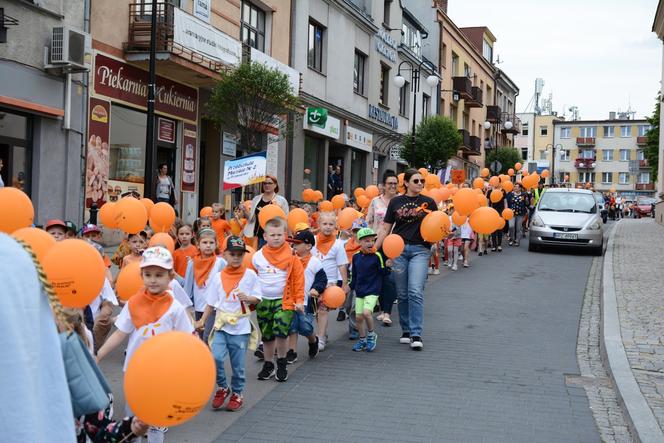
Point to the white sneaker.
(404, 340)
(430, 271)
(454, 267)
(449, 264)
(321, 344)
(416, 344)
(436, 271)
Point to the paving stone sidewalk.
(638, 264)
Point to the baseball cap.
(55, 222)
(301, 227)
(365, 232)
(71, 226)
(88, 228)
(303, 236)
(359, 223)
(234, 243)
(157, 256)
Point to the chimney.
(612, 115)
(441, 4)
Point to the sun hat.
(157, 256)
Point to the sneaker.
(465, 264)
(235, 403)
(313, 349)
(361, 345)
(220, 397)
(267, 371)
(430, 271)
(291, 356)
(479, 253)
(372, 339)
(321, 344)
(449, 264)
(493, 249)
(416, 343)
(454, 267)
(259, 352)
(282, 370)
(500, 249)
(436, 271)
(341, 316)
(353, 335)
(405, 338)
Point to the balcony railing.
(645, 186)
(140, 15)
(475, 145)
(476, 100)
(585, 141)
(463, 86)
(641, 141)
(516, 123)
(643, 164)
(585, 163)
(493, 113)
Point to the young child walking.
(137, 243)
(367, 271)
(282, 283)
(186, 250)
(57, 229)
(230, 293)
(150, 312)
(454, 243)
(219, 223)
(315, 282)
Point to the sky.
(598, 55)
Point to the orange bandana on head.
(230, 278)
(145, 308)
(325, 242)
(202, 268)
(278, 257)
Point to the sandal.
(387, 321)
(380, 316)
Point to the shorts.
(303, 324)
(273, 321)
(454, 242)
(366, 303)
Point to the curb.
(642, 422)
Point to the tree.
(651, 151)
(436, 140)
(507, 156)
(253, 100)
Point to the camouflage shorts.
(273, 321)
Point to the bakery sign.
(129, 84)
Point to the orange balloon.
(454, 190)
(451, 186)
(501, 223)
(435, 226)
(129, 281)
(484, 220)
(423, 171)
(458, 219)
(507, 185)
(17, 211)
(148, 204)
(359, 191)
(400, 178)
(437, 194)
(184, 381)
(268, 213)
(510, 172)
(163, 239)
(76, 270)
(236, 228)
(485, 172)
(318, 196)
(465, 201)
(372, 191)
(496, 195)
(508, 214)
(346, 218)
(494, 181)
(334, 297)
(130, 215)
(445, 194)
(517, 166)
(206, 211)
(504, 177)
(338, 201)
(393, 245)
(481, 200)
(325, 206)
(308, 195)
(107, 215)
(432, 181)
(297, 215)
(545, 173)
(478, 183)
(162, 217)
(39, 240)
(363, 201)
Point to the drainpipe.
(291, 115)
(84, 112)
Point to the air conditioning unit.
(70, 47)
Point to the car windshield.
(567, 202)
(646, 201)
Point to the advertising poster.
(97, 160)
(189, 158)
(245, 171)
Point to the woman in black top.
(403, 217)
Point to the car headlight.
(594, 226)
(537, 221)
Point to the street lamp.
(554, 148)
(487, 125)
(399, 81)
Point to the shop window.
(16, 150)
(312, 149)
(358, 169)
(127, 153)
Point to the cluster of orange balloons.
(312, 196)
(132, 215)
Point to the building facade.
(658, 28)
(605, 153)
(43, 104)
(535, 141)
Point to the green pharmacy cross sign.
(317, 116)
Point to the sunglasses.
(417, 181)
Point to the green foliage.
(507, 156)
(651, 150)
(436, 140)
(252, 100)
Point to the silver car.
(569, 218)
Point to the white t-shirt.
(174, 319)
(335, 257)
(272, 279)
(310, 272)
(200, 294)
(218, 299)
(466, 230)
(105, 294)
(178, 293)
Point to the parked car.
(601, 206)
(644, 207)
(567, 218)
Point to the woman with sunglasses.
(404, 216)
(270, 189)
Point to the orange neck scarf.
(351, 248)
(325, 242)
(202, 268)
(278, 257)
(146, 308)
(230, 278)
(305, 260)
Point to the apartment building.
(605, 153)
(535, 141)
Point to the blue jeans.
(388, 294)
(410, 275)
(223, 345)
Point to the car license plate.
(565, 236)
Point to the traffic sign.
(496, 166)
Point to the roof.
(411, 18)
(599, 122)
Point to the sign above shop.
(166, 132)
(202, 9)
(317, 116)
(293, 75)
(330, 128)
(359, 139)
(199, 36)
(383, 116)
(386, 45)
(229, 145)
(129, 84)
